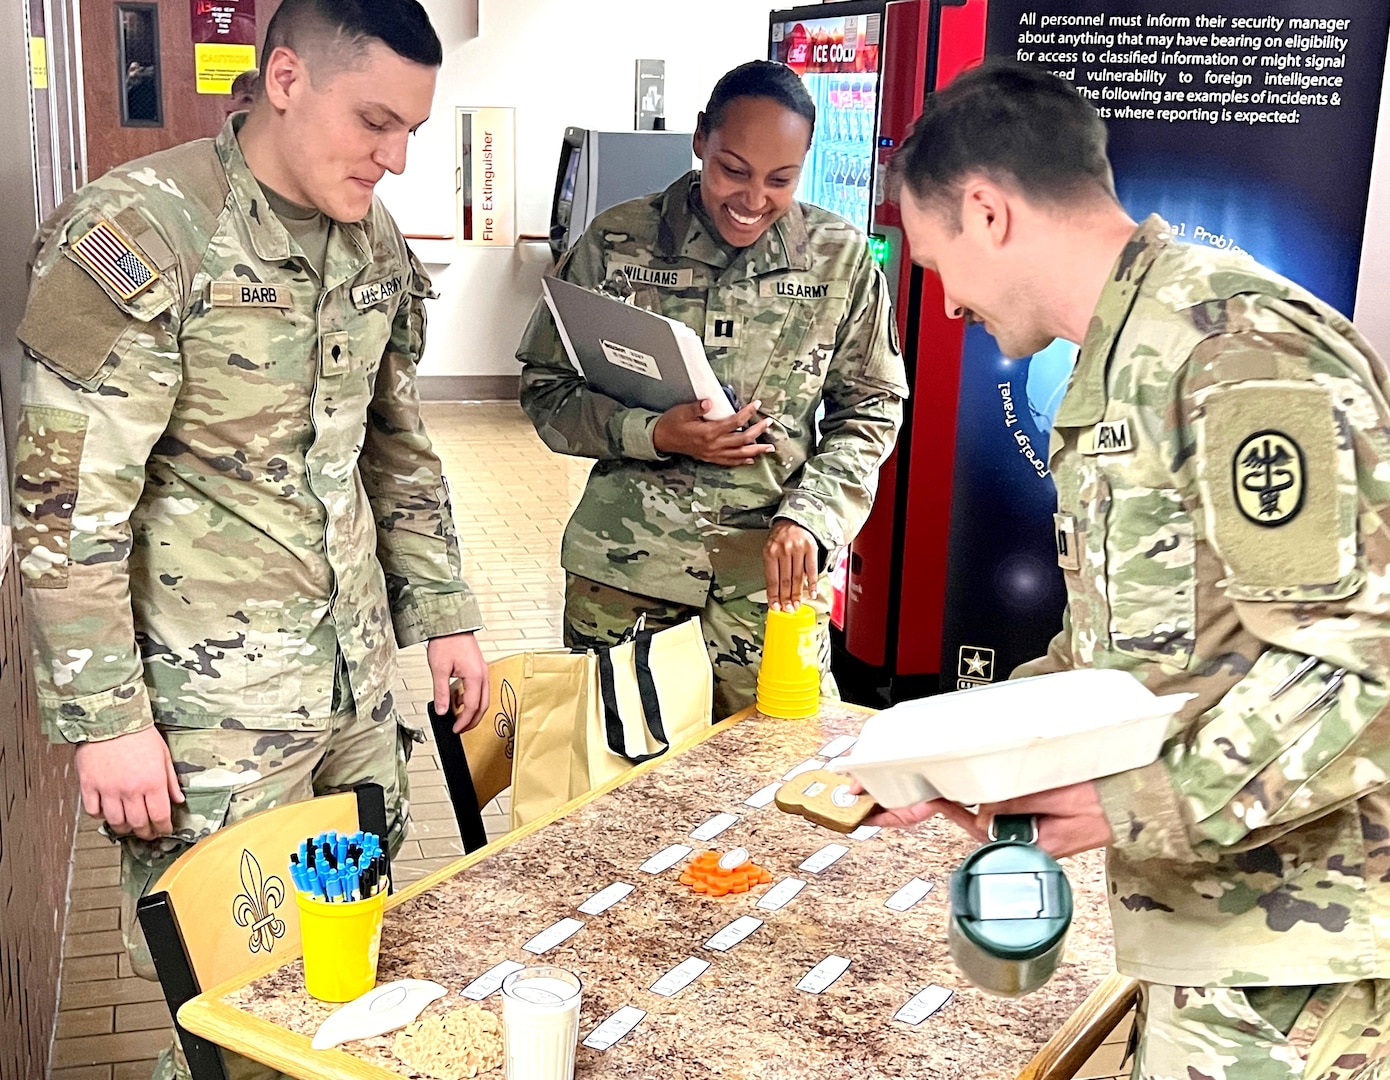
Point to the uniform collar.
(1084, 403)
(270, 239)
(685, 233)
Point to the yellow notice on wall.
(38, 63)
(217, 65)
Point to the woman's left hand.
(789, 558)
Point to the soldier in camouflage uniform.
(683, 516)
(227, 510)
(1222, 459)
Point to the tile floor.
(511, 499)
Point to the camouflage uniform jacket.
(221, 479)
(798, 320)
(1222, 459)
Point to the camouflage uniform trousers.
(229, 773)
(598, 615)
(1339, 1031)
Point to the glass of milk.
(540, 1022)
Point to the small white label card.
(865, 832)
(806, 766)
(490, 981)
(552, 935)
(781, 894)
(823, 859)
(909, 895)
(823, 974)
(603, 900)
(836, 747)
(624, 357)
(680, 976)
(607, 1034)
(763, 796)
(665, 859)
(714, 826)
(923, 1004)
(732, 934)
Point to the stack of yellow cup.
(789, 678)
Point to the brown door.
(150, 101)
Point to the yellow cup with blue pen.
(341, 894)
(342, 942)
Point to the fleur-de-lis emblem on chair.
(504, 721)
(257, 904)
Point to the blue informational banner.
(1246, 126)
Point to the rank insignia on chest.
(1108, 437)
(250, 294)
(1267, 475)
(1068, 551)
(365, 296)
(723, 330)
(112, 261)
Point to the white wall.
(558, 62)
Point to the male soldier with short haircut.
(227, 509)
(1222, 459)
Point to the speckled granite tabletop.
(744, 1017)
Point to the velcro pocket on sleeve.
(48, 454)
(70, 323)
(1279, 487)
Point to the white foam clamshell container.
(1014, 738)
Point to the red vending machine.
(869, 67)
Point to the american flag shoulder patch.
(113, 261)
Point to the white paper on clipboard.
(638, 357)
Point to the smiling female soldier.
(684, 516)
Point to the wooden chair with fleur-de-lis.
(477, 765)
(228, 902)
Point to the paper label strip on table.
(490, 981)
(607, 1034)
(680, 976)
(551, 936)
(732, 934)
(714, 826)
(823, 974)
(909, 895)
(781, 894)
(865, 832)
(824, 858)
(925, 1002)
(604, 899)
(808, 765)
(665, 859)
(836, 747)
(763, 796)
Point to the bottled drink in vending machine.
(838, 175)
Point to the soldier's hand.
(457, 656)
(1070, 819)
(130, 783)
(684, 430)
(789, 559)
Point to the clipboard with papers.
(638, 357)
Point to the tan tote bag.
(585, 717)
